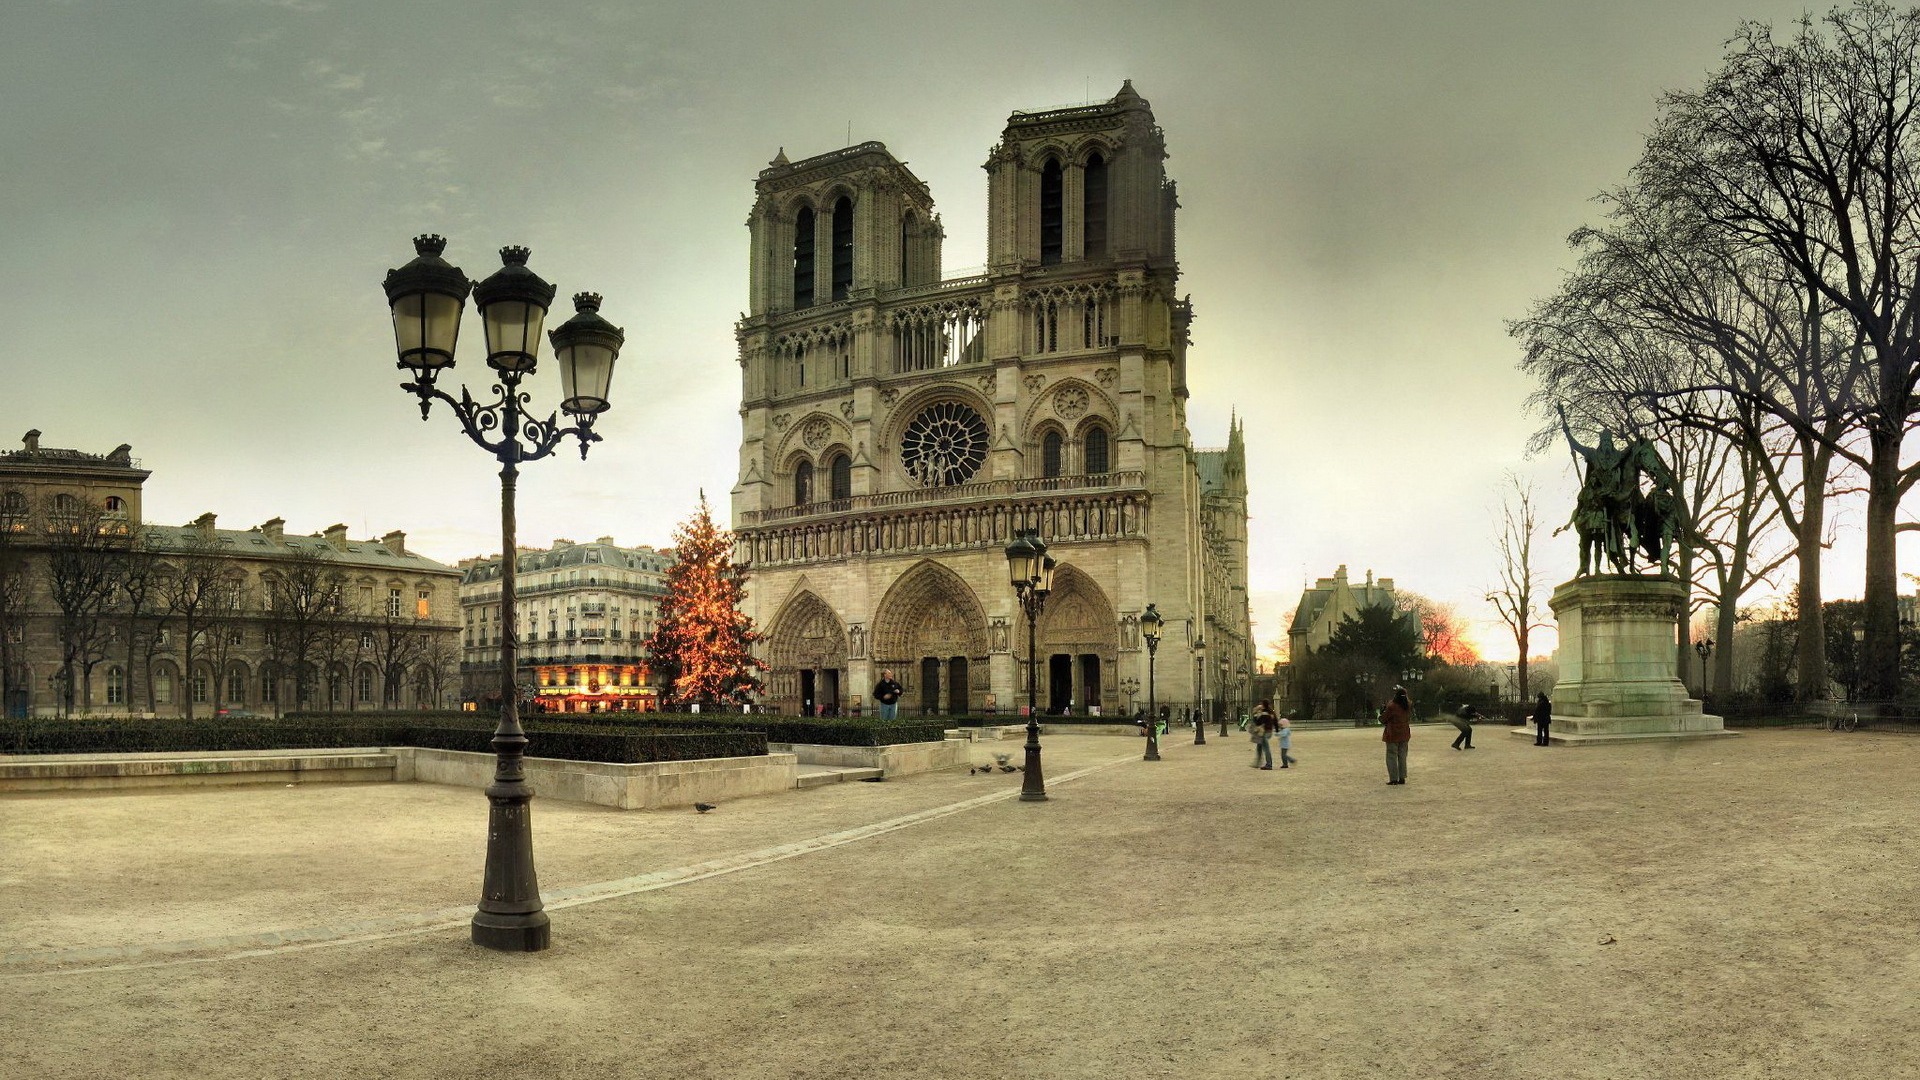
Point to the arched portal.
(806, 657)
(1078, 646)
(931, 633)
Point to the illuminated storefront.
(590, 688)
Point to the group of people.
(1265, 727)
(1396, 722)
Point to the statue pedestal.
(1617, 659)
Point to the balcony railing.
(957, 493)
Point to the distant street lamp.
(1030, 569)
(1150, 623)
(1704, 647)
(1130, 686)
(427, 296)
(1200, 706)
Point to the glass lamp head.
(1150, 623)
(1021, 560)
(513, 306)
(426, 297)
(586, 347)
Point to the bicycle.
(1849, 722)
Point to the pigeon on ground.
(1009, 768)
(703, 807)
(1002, 758)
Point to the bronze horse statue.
(1614, 515)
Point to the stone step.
(807, 776)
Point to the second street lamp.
(1030, 569)
(1150, 623)
(426, 297)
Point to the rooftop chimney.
(205, 524)
(336, 535)
(396, 542)
(32, 441)
(274, 529)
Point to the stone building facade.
(1321, 608)
(382, 636)
(898, 427)
(584, 610)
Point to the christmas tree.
(702, 645)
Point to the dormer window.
(803, 258)
(1052, 204)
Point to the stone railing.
(987, 490)
(1060, 516)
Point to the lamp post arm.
(521, 437)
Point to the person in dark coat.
(1397, 721)
(1463, 720)
(887, 693)
(1542, 717)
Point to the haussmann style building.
(898, 428)
(585, 611)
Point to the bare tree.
(1805, 150)
(15, 575)
(192, 592)
(304, 602)
(84, 546)
(139, 611)
(1517, 596)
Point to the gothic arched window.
(803, 258)
(1052, 203)
(803, 483)
(842, 247)
(840, 478)
(1096, 452)
(1093, 216)
(1050, 454)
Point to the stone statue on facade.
(1614, 513)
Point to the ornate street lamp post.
(1130, 686)
(427, 296)
(1150, 623)
(1031, 570)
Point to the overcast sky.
(199, 199)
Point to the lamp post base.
(531, 932)
(1033, 785)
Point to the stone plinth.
(1617, 660)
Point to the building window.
(842, 248)
(1094, 217)
(163, 688)
(1046, 327)
(269, 689)
(841, 479)
(393, 603)
(1096, 452)
(366, 599)
(1050, 454)
(1051, 205)
(198, 687)
(366, 640)
(236, 635)
(236, 688)
(423, 605)
(116, 686)
(116, 504)
(803, 483)
(803, 258)
(363, 688)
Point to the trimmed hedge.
(837, 731)
(575, 742)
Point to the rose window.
(945, 444)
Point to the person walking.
(887, 693)
(1464, 721)
(1542, 719)
(1286, 741)
(1396, 721)
(1262, 737)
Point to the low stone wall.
(80, 772)
(645, 786)
(900, 759)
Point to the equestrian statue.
(1614, 514)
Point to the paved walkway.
(1740, 908)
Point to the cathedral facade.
(898, 427)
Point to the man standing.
(1542, 717)
(887, 693)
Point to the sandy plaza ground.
(1742, 907)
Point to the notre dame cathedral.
(898, 427)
